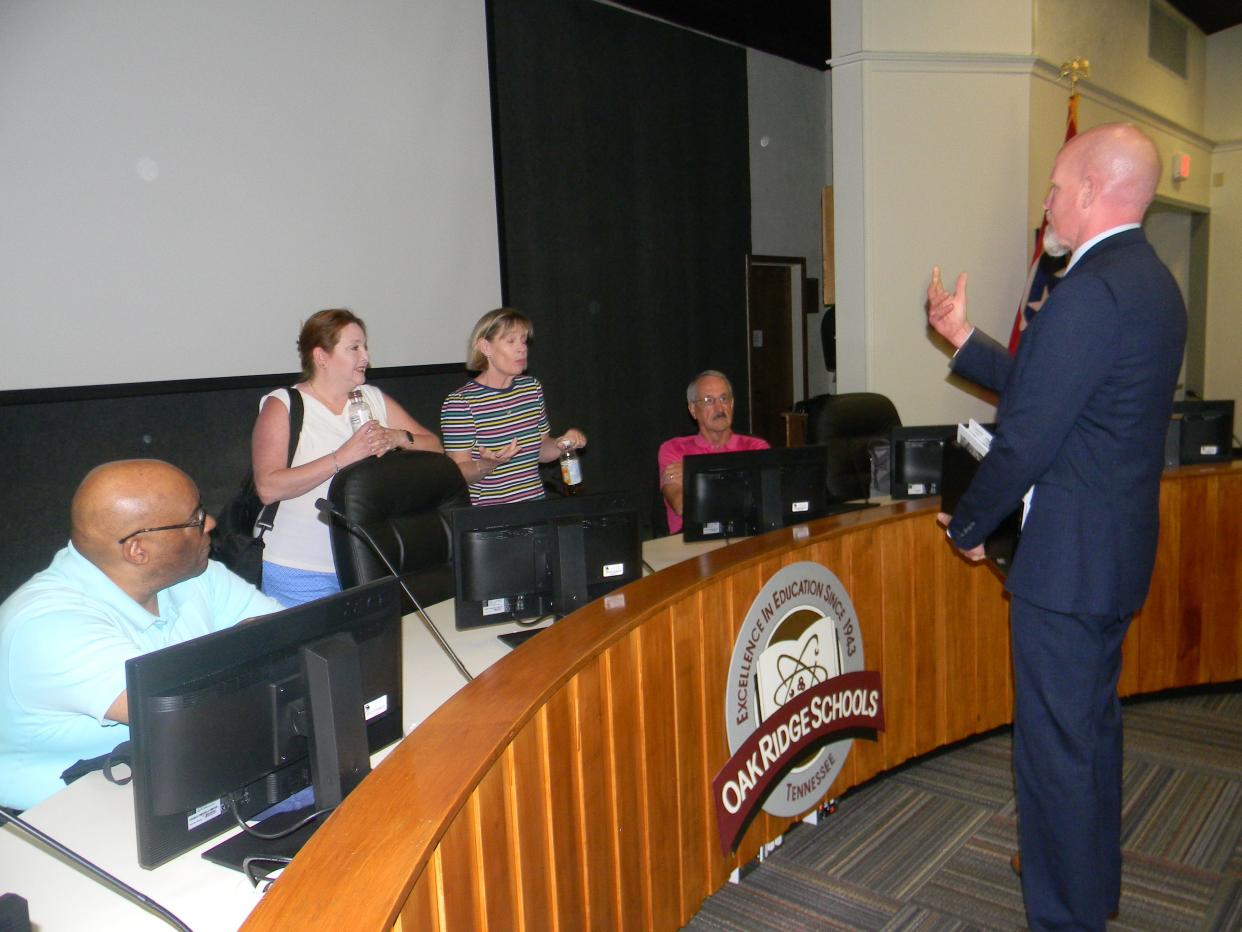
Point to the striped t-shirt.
(475, 417)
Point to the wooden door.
(777, 341)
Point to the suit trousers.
(1067, 764)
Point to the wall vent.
(1166, 37)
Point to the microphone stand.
(115, 884)
(355, 528)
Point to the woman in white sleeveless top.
(297, 557)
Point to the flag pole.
(1040, 280)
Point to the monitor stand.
(337, 746)
(514, 638)
(233, 851)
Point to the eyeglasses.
(708, 401)
(199, 521)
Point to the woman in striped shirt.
(495, 427)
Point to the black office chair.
(849, 425)
(396, 499)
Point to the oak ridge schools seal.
(795, 677)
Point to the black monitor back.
(223, 717)
(917, 458)
(753, 491)
(1204, 431)
(545, 557)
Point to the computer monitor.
(1204, 431)
(752, 491)
(544, 557)
(917, 457)
(245, 717)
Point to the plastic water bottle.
(359, 410)
(571, 467)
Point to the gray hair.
(692, 388)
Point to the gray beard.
(1053, 244)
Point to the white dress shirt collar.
(1082, 250)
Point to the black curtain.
(625, 219)
(52, 444)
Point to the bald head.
(1125, 162)
(1102, 178)
(119, 498)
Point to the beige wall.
(966, 213)
(971, 26)
(1223, 114)
(946, 118)
(1112, 34)
(1223, 374)
(1224, 123)
(930, 167)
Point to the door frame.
(797, 325)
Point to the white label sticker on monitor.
(916, 488)
(377, 706)
(203, 814)
(799, 506)
(495, 606)
(1209, 449)
(711, 527)
(613, 569)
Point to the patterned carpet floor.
(927, 846)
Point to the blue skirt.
(292, 587)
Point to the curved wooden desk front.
(569, 785)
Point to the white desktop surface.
(96, 818)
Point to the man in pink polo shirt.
(710, 400)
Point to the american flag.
(1045, 270)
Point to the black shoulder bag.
(234, 541)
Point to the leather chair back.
(848, 424)
(397, 498)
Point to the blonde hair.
(492, 325)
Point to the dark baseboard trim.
(27, 396)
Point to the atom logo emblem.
(802, 653)
(799, 673)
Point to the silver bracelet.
(335, 467)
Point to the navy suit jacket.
(1083, 412)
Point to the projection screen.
(182, 183)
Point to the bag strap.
(267, 517)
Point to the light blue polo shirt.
(64, 638)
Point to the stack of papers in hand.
(974, 437)
(961, 460)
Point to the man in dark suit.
(1081, 422)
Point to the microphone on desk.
(325, 506)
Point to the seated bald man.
(710, 400)
(134, 578)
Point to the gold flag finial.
(1074, 70)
